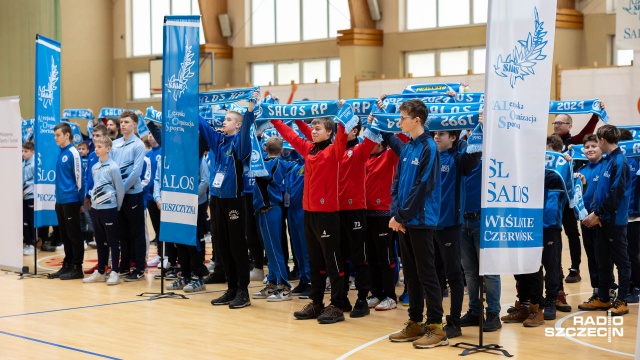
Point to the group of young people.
(344, 200)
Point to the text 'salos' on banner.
(520, 40)
(180, 171)
(47, 110)
(628, 25)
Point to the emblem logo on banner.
(177, 85)
(524, 57)
(46, 93)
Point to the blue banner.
(27, 130)
(85, 114)
(180, 79)
(47, 110)
(578, 107)
(227, 95)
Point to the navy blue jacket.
(69, 182)
(415, 191)
(611, 201)
(591, 172)
(555, 199)
(473, 189)
(268, 190)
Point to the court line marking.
(58, 345)
(559, 325)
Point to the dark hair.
(554, 142)
(83, 143)
(590, 137)
(116, 121)
(101, 129)
(129, 114)
(609, 133)
(415, 108)
(625, 134)
(28, 146)
(326, 122)
(64, 127)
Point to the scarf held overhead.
(578, 107)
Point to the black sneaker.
(550, 309)
(47, 246)
(492, 323)
(360, 309)
(452, 328)
(346, 305)
(226, 298)
(65, 268)
(469, 319)
(215, 278)
(294, 275)
(573, 277)
(134, 275)
(305, 294)
(241, 300)
(300, 289)
(309, 311)
(330, 315)
(75, 272)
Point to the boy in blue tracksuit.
(415, 209)
(610, 211)
(292, 198)
(128, 153)
(455, 163)
(106, 194)
(228, 151)
(633, 228)
(267, 203)
(69, 197)
(85, 220)
(27, 198)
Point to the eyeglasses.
(560, 123)
(406, 117)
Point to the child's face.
(127, 126)
(592, 151)
(102, 150)
(26, 154)
(83, 150)
(61, 138)
(407, 122)
(444, 140)
(319, 133)
(231, 125)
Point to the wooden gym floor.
(54, 319)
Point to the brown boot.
(619, 308)
(412, 331)
(536, 318)
(561, 302)
(594, 303)
(519, 314)
(434, 336)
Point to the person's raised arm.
(304, 128)
(300, 145)
(340, 142)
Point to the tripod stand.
(162, 294)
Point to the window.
(140, 85)
(282, 73)
(147, 21)
(445, 62)
(281, 21)
(426, 14)
(623, 57)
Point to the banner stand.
(474, 348)
(162, 294)
(25, 269)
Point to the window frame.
(437, 52)
(437, 26)
(300, 62)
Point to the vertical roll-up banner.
(10, 184)
(180, 79)
(628, 25)
(47, 111)
(520, 40)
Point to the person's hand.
(481, 117)
(81, 209)
(370, 119)
(451, 93)
(159, 204)
(379, 101)
(396, 226)
(567, 157)
(87, 203)
(583, 180)
(591, 220)
(255, 98)
(341, 102)
(602, 104)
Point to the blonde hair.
(103, 140)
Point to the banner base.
(162, 294)
(479, 347)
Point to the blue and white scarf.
(227, 95)
(435, 122)
(630, 148)
(75, 132)
(80, 114)
(256, 165)
(470, 97)
(432, 88)
(27, 130)
(153, 115)
(578, 107)
(452, 108)
(635, 130)
(578, 208)
(474, 141)
(427, 98)
(556, 162)
(307, 111)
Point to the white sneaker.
(95, 277)
(266, 292)
(283, 293)
(264, 281)
(114, 278)
(179, 284)
(85, 245)
(60, 247)
(165, 264)
(386, 304)
(211, 265)
(256, 274)
(352, 283)
(28, 250)
(154, 261)
(372, 302)
(207, 237)
(93, 244)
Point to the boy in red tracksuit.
(353, 215)
(380, 170)
(321, 216)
